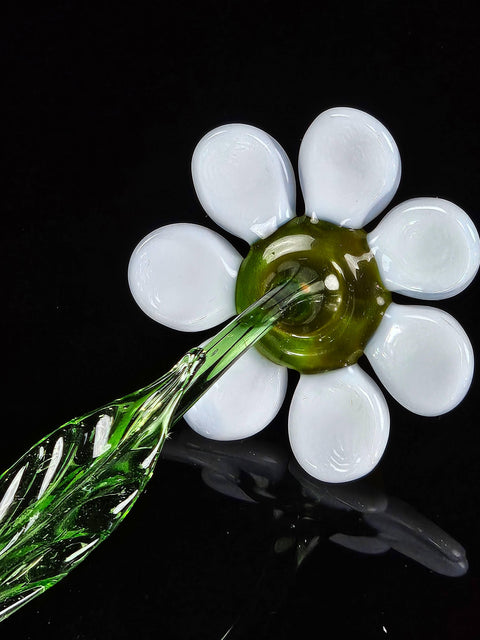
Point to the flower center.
(330, 327)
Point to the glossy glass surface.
(349, 439)
(426, 248)
(331, 327)
(183, 276)
(244, 180)
(349, 167)
(71, 490)
(102, 110)
(423, 357)
(61, 499)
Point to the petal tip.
(349, 167)
(426, 248)
(183, 276)
(244, 180)
(242, 402)
(423, 357)
(338, 424)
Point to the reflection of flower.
(184, 275)
(368, 520)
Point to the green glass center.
(330, 327)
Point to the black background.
(104, 104)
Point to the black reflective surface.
(103, 107)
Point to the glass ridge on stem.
(72, 489)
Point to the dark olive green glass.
(329, 328)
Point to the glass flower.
(190, 278)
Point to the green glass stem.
(246, 329)
(72, 489)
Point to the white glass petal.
(426, 248)
(243, 401)
(183, 275)
(349, 167)
(244, 180)
(423, 357)
(338, 424)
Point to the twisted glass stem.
(72, 489)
